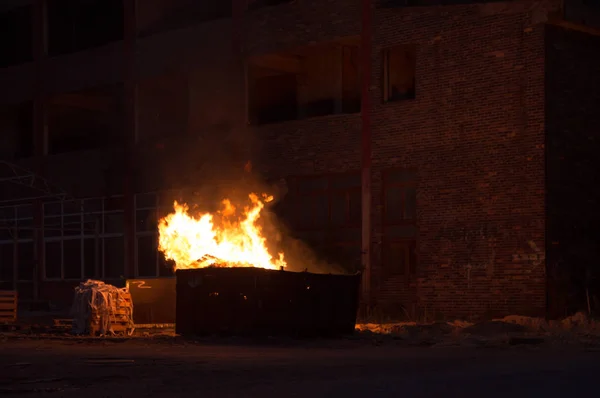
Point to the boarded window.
(399, 71)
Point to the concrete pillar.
(366, 49)
(130, 131)
(40, 130)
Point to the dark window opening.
(16, 130)
(399, 258)
(114, 257)
(90, 258)
(53, 260)
(147, 248)
(16, 38)
(399, 73)
(304, 83)
(26, 261)
(85, 120)
(258, 4)
(72, 258)
(76, 25)
(165, 267)
(7, 269)
(274, 98)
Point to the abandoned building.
(444, 147)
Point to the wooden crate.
(8, 306)
(121, 320)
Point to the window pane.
(52, 226)
(410, 203)
(146, 255)
(395, 258)
(146, 220)
(114, 257)
(25, 261)
(72, 225)
(393, 204)
(72, 258)
(6, 262)
(90, 258)
(165, 268)
(339, 209)
(52, 259)
(113, 223)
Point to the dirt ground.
(359, 367)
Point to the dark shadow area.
(76, 25)
(16, 40)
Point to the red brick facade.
(475, 137)
(471, 143)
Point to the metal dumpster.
(255, 301)
(153, 300)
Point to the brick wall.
(475, 135)
(572, 120)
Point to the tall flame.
(197, 241)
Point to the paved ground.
(167, 368)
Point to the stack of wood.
(101, 309)
(8, 306)
(120, 317)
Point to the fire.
(226, 239)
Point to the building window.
(399, 71)
(17, 262)
(304, 83)
(84, 239)
(325, 212)
(149, 208)
(399, 223)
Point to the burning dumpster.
(256, 301)
(231, 279)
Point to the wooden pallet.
(120, 319)
(62, 323)
(8, 306)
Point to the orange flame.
(194, 241)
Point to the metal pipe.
(366, 51)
